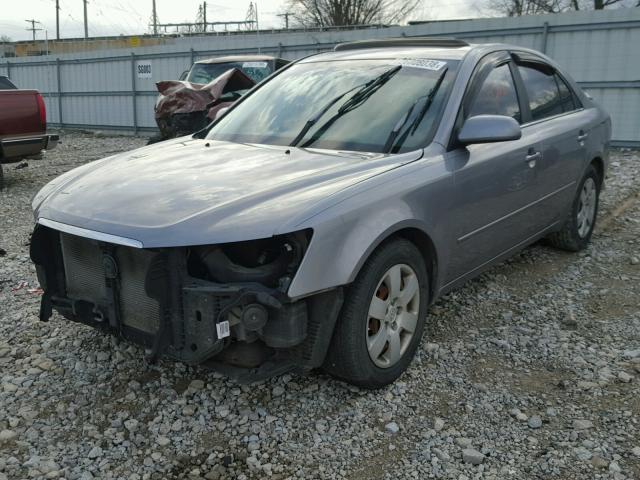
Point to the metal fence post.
(134, 93)
(545, 35)
(193, 54)
(8, 69)
(60, 121)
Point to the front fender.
(345, 235)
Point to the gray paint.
(476, 204)
(489, 129)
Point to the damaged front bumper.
(167, 301)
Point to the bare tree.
(602, 4)
(323, 13)
(514, 8)
(5, 39)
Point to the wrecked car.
(314, 223)
(256, 67)
(188, 105)
(184, 107)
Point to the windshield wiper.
(313, 120)
(369, 89)
(354, 102)
(413, 126)
(403, 120)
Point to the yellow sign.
(135, 41)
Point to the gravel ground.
(530, 371)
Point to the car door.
(494, 183)
(556, 116)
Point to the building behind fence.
(106, 90)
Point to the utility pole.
(252, 16)
(57, 19)
(204, 16)
(286, 16)
(33, 28)
(154, 18)
(86, 26)
(257, 28)
(257, 25)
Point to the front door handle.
(582, 136)
(532, 158)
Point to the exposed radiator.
(137, 309)
(85, 280)
(83, 269)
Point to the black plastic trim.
(447, 42)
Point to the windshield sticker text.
(434, 65)
(254, 65)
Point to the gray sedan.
(312, 224)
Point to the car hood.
(191, 192)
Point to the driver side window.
(497, 96)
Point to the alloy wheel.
(587, 207)
(393, 315)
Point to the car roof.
(391, 53)
(240, 58)
(407, 48)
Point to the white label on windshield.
(254, 65)
(434, 65)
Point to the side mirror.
(489, 129)
(183, 75)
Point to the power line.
(86, 26)
(154, 18)
(252, 14)
(197, 26)
(33, 28)
(204, 16)
(286, 16)
(201, 21)
(115, 24)
(57, 19)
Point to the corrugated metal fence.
(103, 90)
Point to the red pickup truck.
(23, 125)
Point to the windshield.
(205, 72)
(360, 105)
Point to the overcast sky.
(114, 17)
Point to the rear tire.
(578, 228)
(382, 319)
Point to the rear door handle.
(582, 136)
(532, 158)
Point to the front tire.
(578, 228)
(382, 318)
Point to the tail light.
(42, 110)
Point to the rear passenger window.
(497, 96)
(548, 93)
